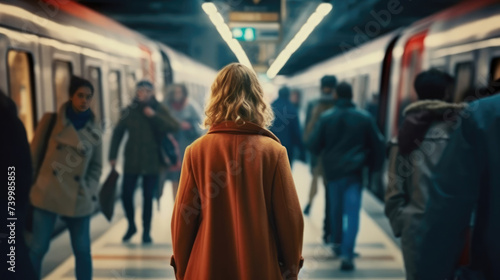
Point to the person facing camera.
(144, 120)
(67, 183)
(237, 214)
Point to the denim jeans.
(344, 196)
(149, 183)
(79, 230)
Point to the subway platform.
(379, 254)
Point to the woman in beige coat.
(237, 215)
(67, 183)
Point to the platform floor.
(380, 257)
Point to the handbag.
(107, 194)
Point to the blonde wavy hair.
(236, 95)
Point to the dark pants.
(149, 183)
(345, 201)
(79, 230)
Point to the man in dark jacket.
(15, 163)
(422, 138)
(349, 140)
(286, 123)
(144, 120)
(314, 110)
(465, 180)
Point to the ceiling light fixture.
(321, 11)
(224, 31)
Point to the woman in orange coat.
(237, 215)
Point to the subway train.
(463, 40)
(43, 43)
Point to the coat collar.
(247, 128)
(68, 134)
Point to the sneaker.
(347, 265)
(307, 209)
(130, 232)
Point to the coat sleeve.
(37, 144)
(316, 141)
(452, 198)
(118, 133)
(289, 223)
(396, 196)
(94, 169)
(163, 121)
(185, 218)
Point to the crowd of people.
(236, 211)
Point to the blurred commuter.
(237, 214)
(422, 138)
(466, 179)
(15, 162)
(144, 120)
(185, 112)
(349, 140)
(314, 110)
(67, 183)
(286, 123)
(296, 98)
(373, 106)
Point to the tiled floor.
(379, 257)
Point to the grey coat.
(410, 174)
(68, 180)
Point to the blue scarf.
(77, 119)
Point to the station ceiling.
(183, 25)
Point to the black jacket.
(15, 159)
(348, 139)
(466, 178)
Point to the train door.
(95, 69)
(116, 84)
(59, 62)
(411, 65)
(18, 65)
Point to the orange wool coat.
(237, 215)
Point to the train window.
(62, 76)
(495, 69)
(464, 73)
(364, 83)
(94, 76)
(131, 81)
(21, 88)
(115, 93)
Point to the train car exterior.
(43, 43)
(463, 41)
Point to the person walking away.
(286, 123)
(349, 140)
(144, 120)
(422, 138)
(67, 184)
(314, 110)
(185, 112)
(464, 181)
(237, 214)
(15, 161)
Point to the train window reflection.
(62, 76)
(131, 81)
(21, 88)
(115, 93)
(464, 73)
(94, 76)
(495, 69)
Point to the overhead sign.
(244, 33)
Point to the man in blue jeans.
(349, 140)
